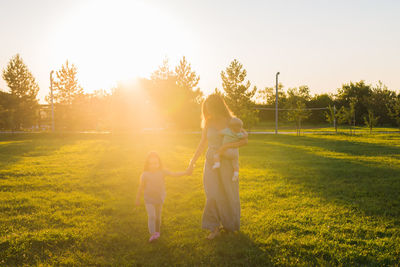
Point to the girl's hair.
(152, 154)
(214, 107)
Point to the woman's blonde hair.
(214, 107)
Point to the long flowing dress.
(222, 194)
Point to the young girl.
(152, 187)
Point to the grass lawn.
(310, 200)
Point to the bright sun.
(110, 41)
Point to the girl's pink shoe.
(154, 237)
(157, 235)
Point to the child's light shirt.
(230, 136)
(154, 187)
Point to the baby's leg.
(233, 155)
(158, 209)
(151, 215)
(217, 163)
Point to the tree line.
(171, 98)
(355, 103)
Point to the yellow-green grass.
(310, 200)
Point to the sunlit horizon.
(112, 41)
(118, 37)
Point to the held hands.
(189, 170)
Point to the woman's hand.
(200, 148)
(190, 168)
(237, 144)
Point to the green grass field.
(310, 200)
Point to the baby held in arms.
(232, 134)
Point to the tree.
(346, 115)
(378, 100)
(332, 116)
(297, 114)
(394, 110)
(163, 72)
(98, 110)
(359, 93)
(188, 80)
(296, 105)
(301, 93)
(3, 117)
(23, 89)
(127, 107)
(8, 103)
(175, 95)
(238, 94)
(66, 87)
(163, 94)
(319, 101)
(371, 120)
(67, 96)
(268, 96)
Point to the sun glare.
(110, 41)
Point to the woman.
(222, 194)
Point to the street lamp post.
(52, 104)
(276, 105)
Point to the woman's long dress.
(222, 194)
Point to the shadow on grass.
(371, 187)
(353, 147)
(238, 249)
(14, 148)
(125, 244)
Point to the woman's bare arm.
(237, 144)
(245, 134)
(200, 148)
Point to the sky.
(319, 43)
